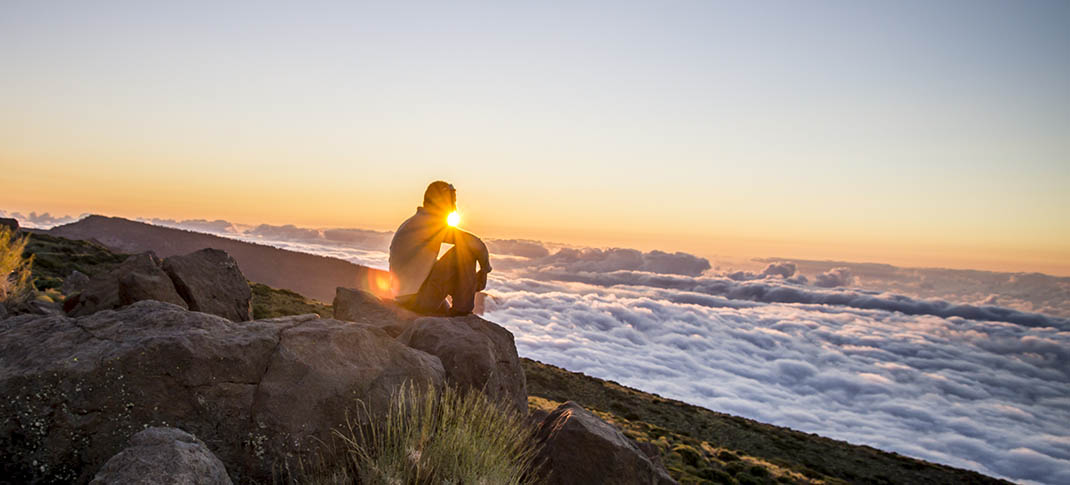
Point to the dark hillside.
(699, 445)
(310, 275)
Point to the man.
(424, 281)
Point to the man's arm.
(470, 242)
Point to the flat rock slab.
(163, 456)
(360, 306)
(257, 393)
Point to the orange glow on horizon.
(725, 230)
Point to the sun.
(453, 219)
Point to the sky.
(913, 133)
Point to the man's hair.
(438, 194)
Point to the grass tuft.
(448, 437)
(270, 302)
(15, 276)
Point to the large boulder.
(579, 448)
(137, 278)
(210, 282)
(354, 305)
(163, 456)
(259, 394)
(75, 282)
(475, 353)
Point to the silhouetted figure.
(424, 281)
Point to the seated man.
(425, 282)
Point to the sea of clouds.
(966, 368)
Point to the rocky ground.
(115, 369)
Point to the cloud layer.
(987, 395)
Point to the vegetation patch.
(730, 449)
(56, 257)
(448, 437)
(271, 302)
(15, 268)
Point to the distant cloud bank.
(39, 221)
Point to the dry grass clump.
(448, 437)
(15, 276)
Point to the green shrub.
(47, 283)
(689, 455)
(15, 284)
(758, 471)
(716, 476)
(451, 437)
(727, 456)
(744, 479)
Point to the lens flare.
(453, 219)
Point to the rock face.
(163, 456)
(580, 448)
(11, 224)
(74, 282)
(257, 393)
(209, 281)
(137, 278)
(475, 353)
(360, 306)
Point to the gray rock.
(475, 353)
(163, 456)
(209, 281)
(580, 448)
(137, 278)
(360, 306)
(3, 311)
(258, 393)
(75, 282)
(40, 307)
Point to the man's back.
(415, 247)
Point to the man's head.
(440, 197)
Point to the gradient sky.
(915, 132)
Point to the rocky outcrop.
(361, 306)
(257, 393)
(139, 277)
(580, 448)
(75, 282)
(11, 224)
(163, 456)
(475, 353)
(209, 281)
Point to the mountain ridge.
(310, 275)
